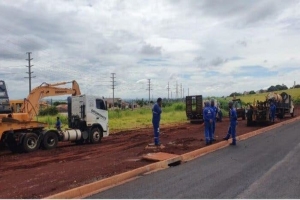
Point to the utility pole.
(149, 88)
(180, 90)
(113, 88)
(29, 71)
(176, 90)
(168, 91)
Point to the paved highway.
(264, 166)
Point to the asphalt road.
(264, 166)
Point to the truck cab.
(88, 114)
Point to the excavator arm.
(31, 104)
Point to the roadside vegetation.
(172, 112)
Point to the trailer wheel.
(50, 140)
(95, 135)
(30, 142)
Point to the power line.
(29, 71)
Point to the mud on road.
(46, 172)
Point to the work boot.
(233, 142)
(226, 138)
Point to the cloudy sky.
(210, 47)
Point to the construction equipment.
(283, 102)
(87, 115)
(259, 111)
(194, 108)
(240, 110)
(16, 105)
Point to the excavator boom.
(31, 104)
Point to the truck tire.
(11, 143)
(95, 135)
(30, 142)
(50, 140)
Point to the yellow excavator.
(21, 133)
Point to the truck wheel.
(95, 135)
(30, 142)
(50, 140)
(12, 144)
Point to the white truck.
(87, 121)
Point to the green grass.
(175, 113)
(131, 119)
(295, 93)
(142, 117)
(51, 120)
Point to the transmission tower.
(29, 71)
(168, 91)
(176, 90)
(113, 87)
(181, 91)
(149, 88)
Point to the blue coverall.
(58, 125)
(273, 111)
(232, 126)
(156, 111)
(215, 110)
(208, 118)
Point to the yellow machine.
(18, 130)
(16, 105)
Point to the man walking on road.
(156, 111)
(215, 110)
(208, 119)
(233, 122)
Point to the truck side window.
(100, 104)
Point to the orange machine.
(17, 104)
(31, 104)
(19, 130)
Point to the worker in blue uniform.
(58, 124)
(233, 123)
(208, 119)
(273, 111)
(156, 111)
(215, 110)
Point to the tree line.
(270, 89)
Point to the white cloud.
(199, 44)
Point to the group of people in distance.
(209, 115)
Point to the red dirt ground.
(43, 173)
